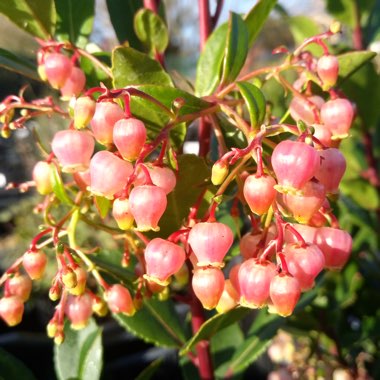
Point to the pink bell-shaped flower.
(129, 136)
(122, 214)
(163, 259)
(208, 286)
(11, 310)
(284, 293)
(255, 277)
(57, 68)
(109, 174)
(210, 242)
(304, 263)
(74, 84)
(119, 300)
(259, 192)
(79, 310)
(105, 117)
(147, 204)
(42, 172)
(294, 163)
(73, 149)
(328, 70)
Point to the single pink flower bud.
(229, 298)
(305, 203)
(84, 110)
(255, 277)
(331, 170)
(294, 163)
(147, 204)
(328, 70)
(73, 149)
(11, 310)
(74, 84)
(106, 115)
(122, 214)
(34, 263)
(304, 263)
(109, 174)
(259, 192)
(119, 300)
(20, 286)
(42, 172)
(129, 136)
(284, 292)
(337, 115)
(208, 286)
(79, 310)
(210, 242)
(300, 109)
(163, 259)
(58, 69)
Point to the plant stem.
(205, 367)
(204, 31)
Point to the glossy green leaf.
(156, 118)
(236, 49)
(13, 368)
(74, 20)
(191, 182)
(223, 346)
(149, 371)
(213, 325)
(210, 62)
(256, 17)
(58, 186)
(350, 62)
(103, 205)
(122, 13)
(261, 333)
(151, 30)
(157, 322)
(255, 101)
(20, 65)
(80, 355)
(36, 17)
(130, 67)
(94, 74)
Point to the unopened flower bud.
(219, 172)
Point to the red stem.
(204, 31)
(205, 366)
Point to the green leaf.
(130, 67)
(149, 371)
(74, 20)
(13, 368)
(59, 187)
(80, 355)
(103, 205)
(210, 62)
(151, 30)
(213, 325)
(255, 101)
(156, 118)
(350, 62)
(256, 17)
(362, 192)
(236, 49)
(20, 65)
(157, 322)
(122, 13)
(223, 346)
(261, 333)
(191, 182)
(94, 74)
(36, 17)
